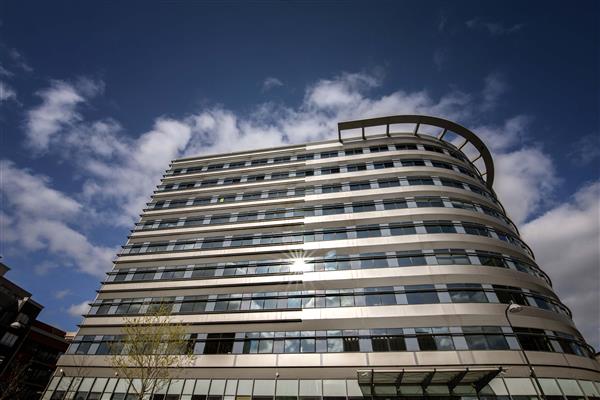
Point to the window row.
(331, 263)
(332, 298)
(319, 235)
(356, 340)
(325, 209)
(313, 156)
(276, 175)
(90, 388)
(321, 189)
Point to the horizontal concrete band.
(328, 280)
(324, 198)
(256, 365)
(325, 221)
(321, 179)
(318, 163)
(392, 316)
(326, 145)
(390, 243)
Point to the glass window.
(331, 188)
(440, 227)
(506, 295)
(402, 146)
(360, 186)
(230, 180)
(278, 160)
(472, 229)
(419, 181)
(305, 173)
(383, 164)
(356, 167)
(421, 294)
(532, 339)
(265, 346)
(334, 235)
(332, 209)
(363, 207)
(307, 345)
(407, 229)
(429, 202)
(330, 170)
(292, 345)
(466, 293)
(397, 343)
(351, 152)
(335, 345)
(405, 260)
(279, 175)
(351, 344)
(452, 257)
(395, 204)
(368, 231)
(329, 154)
(385, 183)
(302, 157)
(413, 163)
(255, 178)
(378, 149)
(379, 342)
(373, 298)
(425, 339)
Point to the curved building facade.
(378, 265)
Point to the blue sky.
(95, 99)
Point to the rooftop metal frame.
(445, 126)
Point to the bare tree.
(12, 384)
(150, 348)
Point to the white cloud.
(31, 195)
(122, 182)
(508, 136)
(525, 180)
(40, 220)
(566, 240)
(58, 110)
(345, 90)
(440, 56)
(5, 72)
(61, 294)
(19, 60)
(495, 86)
(120, 171)
(494, 28)
(77, 310)
(442, 23)
(585, 150)
(7, 92)
(270, 83)
(525, 175)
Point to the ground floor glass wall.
(79, 388)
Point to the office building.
(29, 348)
(380, 264)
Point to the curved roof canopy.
(445, 127)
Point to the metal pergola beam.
(446, 125)
(416, 132)
(456, 380)
(427, 380)
(487, 378)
